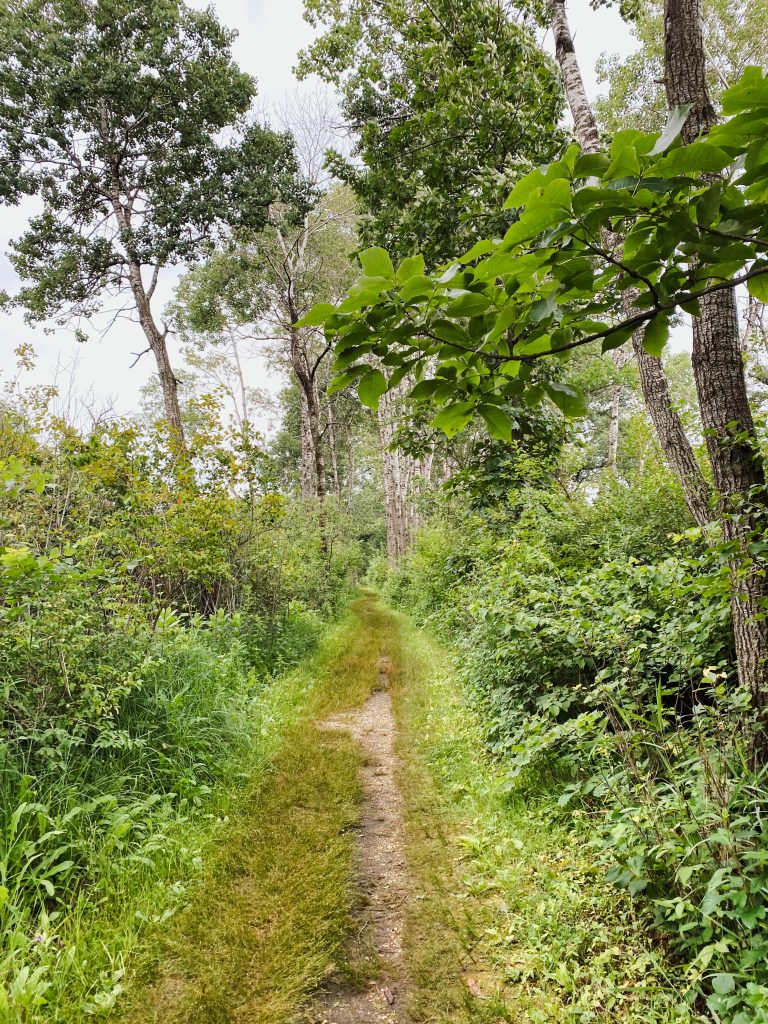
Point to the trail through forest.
(376, 873)
(302, 915)
(376, 939)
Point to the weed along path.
(375, 945)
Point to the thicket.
(143, 614)
(592, 623)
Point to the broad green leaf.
(371, 387)
(523, 190)
(543, 308)
(533, 395)
(417, 285)
(510, 368)
(750, 91)
(445, 330)
(708, 204)
(469, 304)
(723, 984)
(411, 266)
(656, 335)
(317, 316)
(556, 194)
(700, 157)
(343, 380)
(617, 338)
(346, 358)
(504, 320)
(533, 346)
(402, 371)
(498, 421)
(758, 286)
(591, 165)
(424, 389)
(532, 223)
(481, 248)
(623, 163)
(569, 400)
(454, 418)
(357, 300)
(674, 126)
(376, 263)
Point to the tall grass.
(102, 832)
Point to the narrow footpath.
(376, 872)
(375, 943)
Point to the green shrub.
(599, 649)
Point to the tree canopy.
(473, 331)
(447, 103)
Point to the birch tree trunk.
(718, 370)
(395, 482)
(307, 455)
(673, 440)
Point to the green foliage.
(600, 652)
(142, 624)
(472, 333)
(447, 103)
(113, 116)
(555, 943)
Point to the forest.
(401, 655)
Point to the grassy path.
(373, 877)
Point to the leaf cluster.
(692, 219)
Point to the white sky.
(270, 36)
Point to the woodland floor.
(379, 874)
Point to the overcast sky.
(270, 36)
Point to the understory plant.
(599, 651)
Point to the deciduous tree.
(129, 123)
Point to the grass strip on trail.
(267, 922)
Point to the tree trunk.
(316, 434)
(584, 123)
(332, 448)
(674, 442)
(156, 340)
(245, 418)
(669, 430)
(307, 454)
(718, 370)
(312, 433)
(142, 298)
(394, 483)
(613, 426)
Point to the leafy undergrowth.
(266, 922)
(513, 921)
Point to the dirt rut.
(375, 950)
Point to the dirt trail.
(376, 943)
